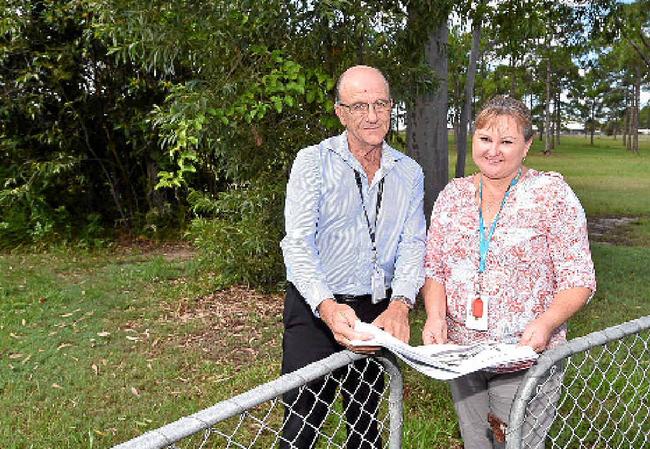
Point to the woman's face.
(499, 148)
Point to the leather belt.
(347, 299)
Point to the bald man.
(353, 250)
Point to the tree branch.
(645, 58)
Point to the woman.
(507, 260)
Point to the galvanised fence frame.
(253, 419)
(603, 400)
(592, 392)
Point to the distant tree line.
(144, 117)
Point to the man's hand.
(536, 335)
(340, 318)
(395, 321)
(434, 331)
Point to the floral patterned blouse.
(539, 248)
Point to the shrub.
(238, 234)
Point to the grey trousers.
(481, 393)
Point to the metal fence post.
(601, 368)
(395, 399)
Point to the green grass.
(88, 358)
(98, 347)
(608, 179)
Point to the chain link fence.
(591, 393)
(257, 418)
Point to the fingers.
(397, 328)
(526, 337)
(534, 337)
(431, 338)
(394, 320)
(341, 319)
(435, 331)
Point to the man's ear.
(340, 113)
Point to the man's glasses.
(380, 107)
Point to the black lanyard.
(380, 194)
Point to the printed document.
(447, 361)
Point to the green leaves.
(203, 120)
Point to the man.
(353, 249)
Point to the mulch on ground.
(236, 325)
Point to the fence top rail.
(550, 358)
(581, 344)
(236, 405)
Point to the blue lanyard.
(485, 240)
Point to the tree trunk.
(558, 117)
(630, 119)
(637, 108)
(593, 123)
(513, 76)
(155, 197)
(547, 110)
(427, 124)
(466, 112)
(625, 117)
(552, 120)
(552, 137)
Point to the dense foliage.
(139, 115)
(147, 116)
(76, 154)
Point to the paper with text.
(447, 361)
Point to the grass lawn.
(98, 347)
(608, 179)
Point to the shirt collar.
(339, 145)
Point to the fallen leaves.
(236, 324)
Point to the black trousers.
(307, 339)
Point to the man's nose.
(372, 114)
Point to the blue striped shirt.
(327, 247)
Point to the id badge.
(378, 286)
(477, 313)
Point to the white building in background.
(574, 127)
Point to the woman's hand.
(565, 304)
(536, 335)
(434, 331)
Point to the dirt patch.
(236, 325)
(170, 250)
(612, 230)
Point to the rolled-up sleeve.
(434, 267)
(409, 273)
(568, 241)
(299, 249)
